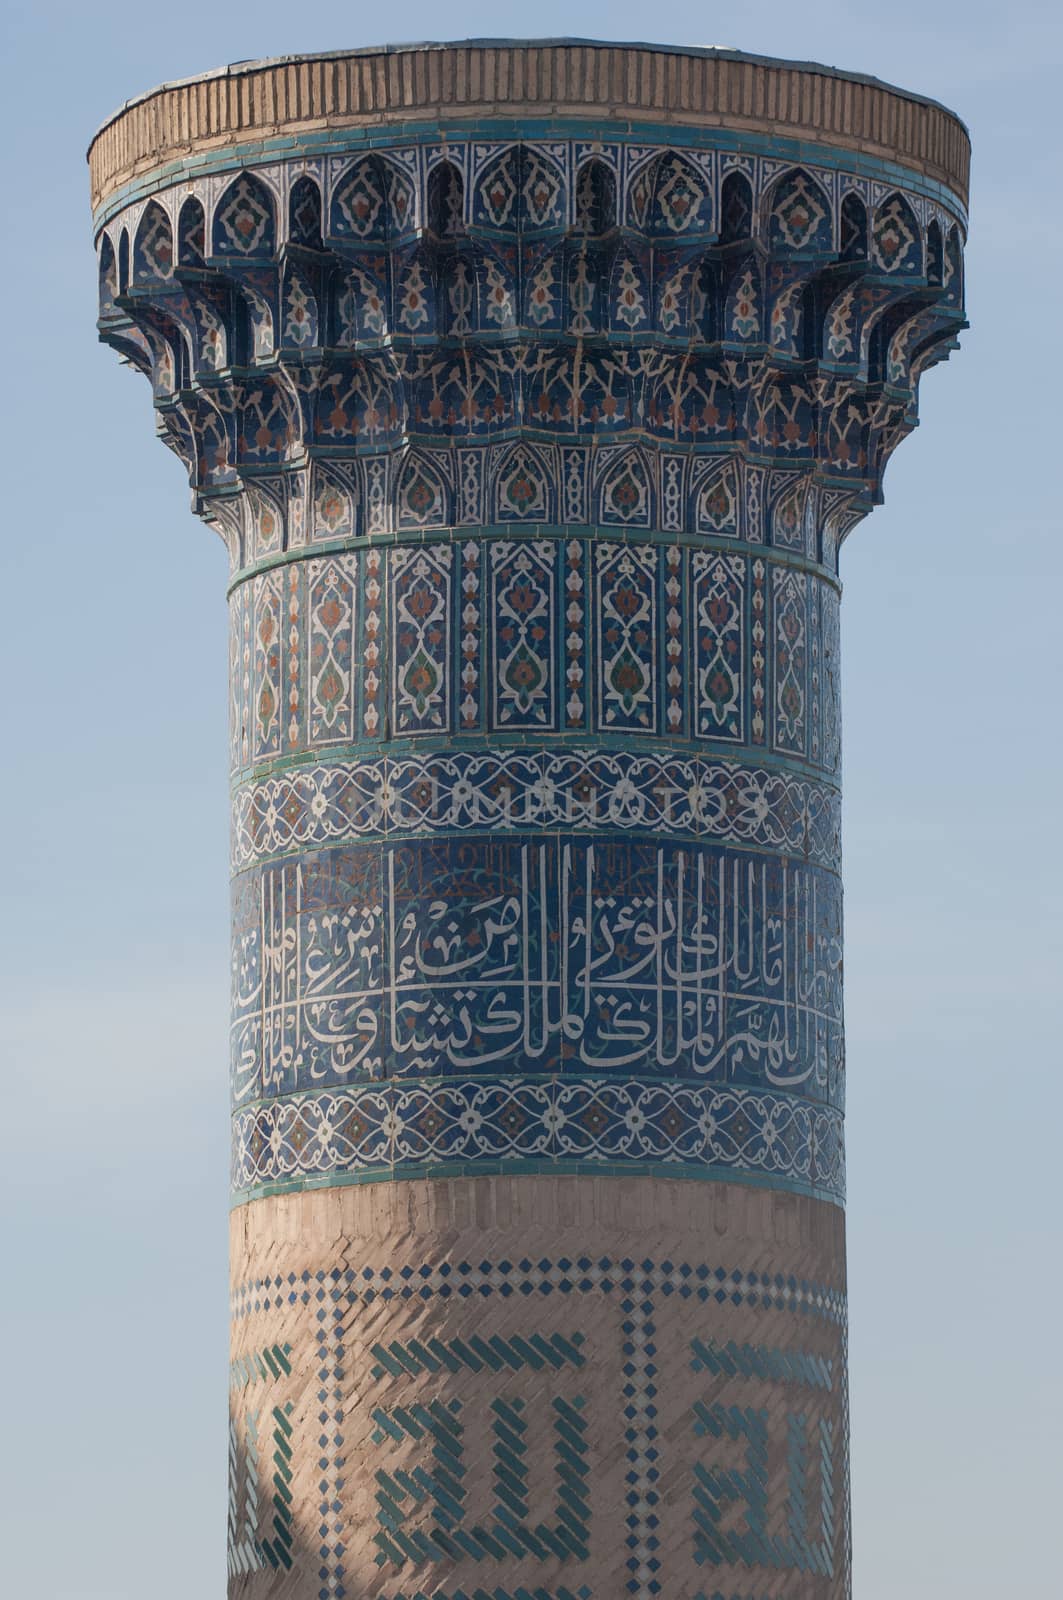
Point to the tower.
(533, 390)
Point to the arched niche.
(736, 209)
(304, 213)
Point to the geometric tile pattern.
(561, 1593)
(572, 1124)
(805, 1549)
(453, 792)
(533, 445)
(247, 1551)
(662, 268)
(455, 1479)
(477, 1355)
(761, 1361)
(401, 1492)
(672, 642)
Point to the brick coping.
(707, 88)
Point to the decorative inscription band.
(505, 790)
(551, 954)
(395, 1130)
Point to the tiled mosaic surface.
(619, 710)
(554, 1000)
(597, 1425)
(533, 456)
(674, 306)
(671, 794)
(523, 642)
(533, 450)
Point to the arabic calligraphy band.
(533, 390)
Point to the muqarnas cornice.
(533, 388)
(669, 325)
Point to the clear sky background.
(113, 939)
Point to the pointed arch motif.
(736, 209)
(123, 261)
(496, 191)
(446, 201)
(853, 240)
(896, 244)
(542, 191)
(191, 234)
(358, 213)
(716, 500)
(153, 246)
(788, 515)
(682, 199)
(798, 215)
(108, 271)
(522, 485)
(401, 200)
(421, 493)
(332, 606)
(245, 220)
(304, 213)
(333, 504)
(952, 279)
(935, 256)
(625, 489)
(638, 206)
(595, 199)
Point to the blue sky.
(114, 959)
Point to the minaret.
(533, 389)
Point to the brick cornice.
(657, 84)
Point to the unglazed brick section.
(547, 1402)
(258, 100)
(534, 390)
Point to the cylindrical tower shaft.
(533, 390)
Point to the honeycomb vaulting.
(533, 389)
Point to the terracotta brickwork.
(546, 1386)
(533, 390)
(721, 88)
